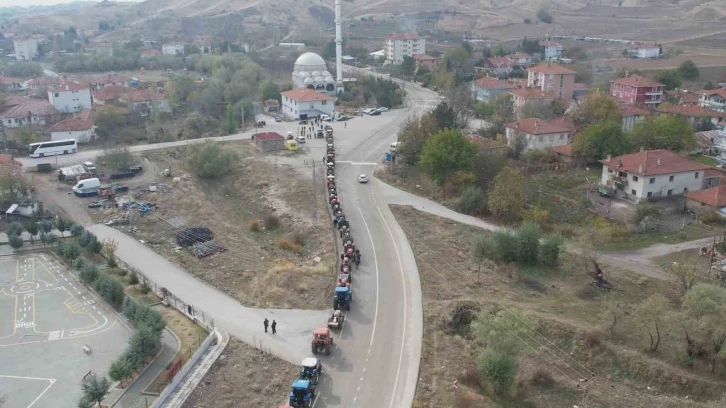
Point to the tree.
(14, 228)
(15, 241)
(25, 136)
(709, 85)
(670, 78)
(594, 109)
(549, 250)
(269, 90)
(129, 308)
(77, 230)
(506, 196)
(487, 164)
(455, 58)
(601, 139)
(133, 278)
(144, 342)
(650, 316)
(466, 46)
(32, 228)
(95, 388)
(110, 289)
(472, 201)
(95, 246)
(413, 136)
(705, 305)
(89, 273)
(670, 132)
(645, 213)
(461, 103)
(210, 160)
(544, 15)
(689, 70)
(46, 226)
(120, 369)
(145, 288)
(445, 153)
(612, 313)
(408, 66)
(229, 124)
(528, 243)
(84, 403)
(85, 239)
(500, 369)
(62, 225)
(108, 123)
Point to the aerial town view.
(363, 203)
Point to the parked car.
(383, 109)
(368, 111)
(300, 139)
(326, 118)
(375, 112)
(278, 118)
(363, 178)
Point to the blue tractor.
(302, 394)
(342, 298)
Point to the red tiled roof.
(499, 61)
(45, 81)
(530, 93)
(71, 125)
(143, 96)
(71, 86)
(519, 55)
(306, 95)
(656, 162)
(86, 114)
(424, 57)
(695, 111)
(7, 159)
(9, 80)
(402, 36)
(565, 150)
(269, 136)
(108, 79)
(37, 107)
(630, 110)
(110, 92)
(492, 83)
(637, 81)
(713, 172)
(535, 126)
(714, 196)
(720, 92)
(550, 68)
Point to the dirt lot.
(265, 379)
(253, 191)
(560, 305)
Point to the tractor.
(343, 298)
(302, 394)
(322, 342)
(336, 320)
(310, 369)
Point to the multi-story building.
(529, 97)
(714, 99)
(173, 48)
(644, 51)
(486, 88)
(306, 103)
(630, 115)
(539, 134)
(398, 45)
(25, 49)
(73, 128)
(497, 66)
(555, 79)
(521, 59)
(551, 51)
(71, 97)
(636, 89)
(423, 60)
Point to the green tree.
(601, 139)
(408, 66)
(210, 160)
(14, 228)
(129, 308)
(62, 225)
(95, 246)
(108, 123)
(455, 58)
(84, 403)
(500, 331)
(32, 228)
(77, 230)
(144, 342)
(670, 132)
(145, 288)
(544, 15)
(705, 305)
(670, 78)
(95, 388)
(689, 70)
(650, 316)
(46, 226)
(528, 243)
(445, 153)
(230, 122)
(89, 273)
(85, 239)
(550, 249)
(499, 369)
(133, 278)
(269, 90)
(594, 109)
(444, 116)
(506, 196)
(120, 369)
(15, 242)
(110, 290)
(472, 201)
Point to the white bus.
(52, 148)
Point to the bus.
(52, 148)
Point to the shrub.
(110, 290)
(272, 221)
(254, 225)
(286, 244)
(591, 339)
(133, 278)
(542, 377)
(472, 201)
(549, 250)
(89, 273)
(528, 242)
(712, 218)
(14, 228)
(536, 215)
(465, 399)
(527, 21)
(45, 226)
(129, 308)
(544, 16)
(210, 159)
(499, 369)
(85, 239)
(298, 238)
(77, 230)
(505, 244)
(78, 264)
(15, 241)
(145, 288)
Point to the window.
(671, 178)
(610, 170)
(312, 106)
(650, 194)
(633, 192)
(56, 94)
(670, 192)
(562, 136)
(696, 174)
(635, 178)
(324, 103)
(652, 180)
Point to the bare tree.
(685, 272)
(460, 100)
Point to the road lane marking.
(375, 260)
(405, 305)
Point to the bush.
(78, 264)
(527, 21)
(133, 278)
(549, 250)
(85, 239)
(528, 243)
(542, 377)
(144, 343)
(536, 215)
(129, 308)
(286, 244)
(210, 160)
(254, 225)
(504, 244)
(298, 238)
(272, 221)
(712, 218)
(591, 339)
(14, 228)
(499, 369)
(45, 226)
(472, 201)
(89, 273)
(544, 16)
(110, 290)
(15, 241)
(77, 230)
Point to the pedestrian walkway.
(26, 236)
(294, 327)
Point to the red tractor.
(322, 342)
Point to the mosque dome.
(319, 80)
(310, 61)
(316, 74)
(304, 74)
(329, 80)
(327, 74)
(308, 81)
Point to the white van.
(393, 146)
(87, 185)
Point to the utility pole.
(314, 197)
(243, 118)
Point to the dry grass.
(254, 225)
(288, 245)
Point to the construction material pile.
(202, 249)
(193, 235)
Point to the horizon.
(29, 3)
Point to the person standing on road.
(345, 124)
(266, 322)
(274, 326)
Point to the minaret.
(338, 46)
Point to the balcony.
(659, 93)
(651, 101)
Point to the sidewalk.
(294, 328)
(26, 236)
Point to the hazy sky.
(34, 2)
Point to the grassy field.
(707, 160)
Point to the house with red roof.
(694, 114)
(425, 60)
(9, 84)
(529, 97)
(630, 115)
(538, 134)
(553, 78)
(110, 94)
(652, 174)
(73, 128)
(714, 99)
(486, 88)
(306, 103)
(20, 111)
(496, 66)
(145, 99)
(636, 89)
(71, 97)
(269, 141)
(708, 200)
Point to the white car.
(383, 109)
(326, 118)
(300, 139)
(362, 178)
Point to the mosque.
(311, 72)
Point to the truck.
(87, 188)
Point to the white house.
(651, 174)
(539, 134)
(714, 99)
(173, 48)
(143, 100)
(645, 51)
(398, 45)
(71, 97)
(302, 103)
(25, 49)
(20, 111)
(83, 131)
(551, 51)
(486, 88)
